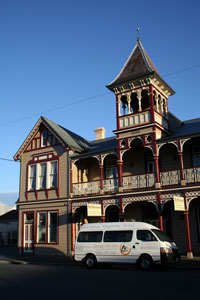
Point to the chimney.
(100, 133)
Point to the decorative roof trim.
(31, 136)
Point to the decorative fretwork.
(147, 198)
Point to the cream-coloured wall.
(28, 156)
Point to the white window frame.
(38, 176)
(46, 229)
(49, 227)
(39, 227)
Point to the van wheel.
(145, 262)
(90, 261)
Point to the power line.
(53, 109)
(85, 99)
(182, 70)
(7, 159)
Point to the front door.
(28, 232)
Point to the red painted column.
(160, 217)
(156, 162)
(181, 161)
(72, 230)
(120, 169)
(101, 173)
(151, 100)
(187, 227)
(71, 183)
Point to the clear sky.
(57, 55)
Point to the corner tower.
(141, 111)
(141, 96)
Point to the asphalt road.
(53, 282)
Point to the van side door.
(117, 246)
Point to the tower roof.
(138, 65)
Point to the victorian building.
(148, 171)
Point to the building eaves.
(99, 146)
(189, 128)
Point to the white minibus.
(124, 242)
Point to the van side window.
(145, 235)
(118, 236)
(90, 237)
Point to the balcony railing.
(143, 181)
(133, 120)
(170, 177)
(138, 181)
(110, 185)
(86, 188)
(192, 175)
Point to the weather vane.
(138, 30)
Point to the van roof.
(117, 225)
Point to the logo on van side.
(125, 250)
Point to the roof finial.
(138, 30)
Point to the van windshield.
(161, 235)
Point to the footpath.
(10, 256)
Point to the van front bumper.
(173, 257)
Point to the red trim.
(47, 226)
(151, 100)
(101, 173)
(187, 227)
(22, 242)
(71, 178)
(181, 161)
(119, 164)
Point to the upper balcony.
(136, 182)
(93, 176)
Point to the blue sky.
(60, 54)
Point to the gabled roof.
(99, 146)
(138, 65)
(66, 137)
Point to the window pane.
(44, 138)
(118, 236)
(53, 227)
(43, 168)
(90, 237)
(145, 235)
(33, 177)
(41, 228)
(53, 174)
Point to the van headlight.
(165, 250)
